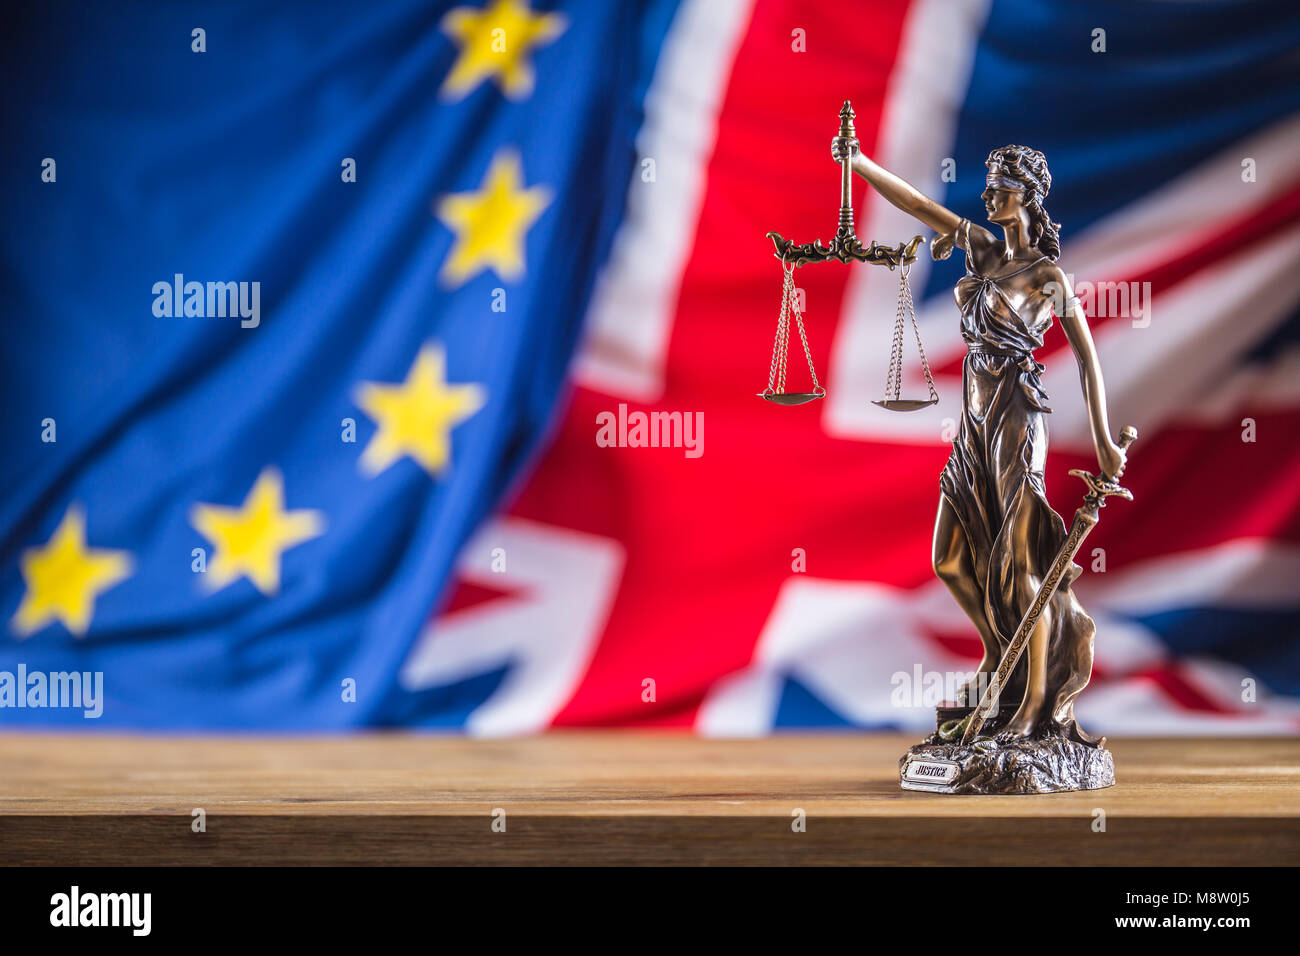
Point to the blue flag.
(292, 292)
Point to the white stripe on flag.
(1248, 573)
(1139, 707)
(546, 634)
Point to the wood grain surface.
(619, 798)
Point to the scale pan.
(905, 404)
(790, 398)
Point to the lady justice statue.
(997, 542)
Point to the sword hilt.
(1100, 487)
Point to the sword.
(1100, 488)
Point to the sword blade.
(1100, 487)
(1084, 520)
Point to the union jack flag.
(649, 588)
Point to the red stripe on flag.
(1173, 684)
(465, 595)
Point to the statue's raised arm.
(902, 194)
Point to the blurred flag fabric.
(395, 497)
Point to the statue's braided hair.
(1029, 167)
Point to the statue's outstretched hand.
(843, 147)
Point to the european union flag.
(291, 294)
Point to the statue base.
(1002, 764)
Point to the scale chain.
(788, 290)
(776, 375)
(798, 319)
(780, 349)
(894, 375)
(906, 289)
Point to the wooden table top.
(618, 797)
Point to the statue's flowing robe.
(994, 483)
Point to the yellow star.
(64, 577)
(251, 539)
(490, 224)
(495, 42)
(416, 417)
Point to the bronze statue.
(1002, 551)
(996, 536)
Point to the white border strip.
(635, 300)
